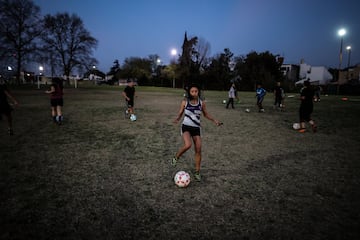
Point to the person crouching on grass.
(192, 106)
(56, 100)
(306, 107)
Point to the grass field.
(100, 176)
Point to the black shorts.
(130, 103)
(194, 131)
(305, 113)
(57, 102)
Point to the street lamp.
(348, 48)
(41, 69)
(173, 54)
(9, 73)
(93, 73)
(341, 33)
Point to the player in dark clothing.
(306, 107)
(129, 94)
(5, 108)
(279, 97)
(56, 100)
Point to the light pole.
(41, 68)
(173, 54)
(93, 73)
(9, 69)
(341, 33)
(348, 48)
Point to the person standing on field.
(260, 94)
(279, 96)
(5, 108)
(192, 108)
(129, 94)
(232, 95)
(306, 107)
(56, 92)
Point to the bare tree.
(20, 26)
(201, 52)
(70, 44)
(194, 53)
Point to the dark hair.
(307, 83)
(58, 81)
(191, 86)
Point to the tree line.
(62, 42)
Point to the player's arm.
(11, 97)
(52, 89)
(208, 116)
(181, 111)
(125, 96)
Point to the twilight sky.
(295, 29)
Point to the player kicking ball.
(129, 94)
(193, 107)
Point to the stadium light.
(348, 48)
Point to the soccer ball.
(182, 179)
(224, 101)
(247, 110)
(296, 126)
(133, 117)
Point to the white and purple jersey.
(192, 114)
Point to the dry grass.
(100, 176)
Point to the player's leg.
(186, 146)
(131, 106)
(303, 117)
(197, 143)
(59, 116)
(53, 113)
(9, 122)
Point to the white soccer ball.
(182, 179)
(224, 101)
(296, 126)
(247, 110)
(133, 117)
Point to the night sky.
(294, 29)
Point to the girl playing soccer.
(192, 106)
(56, 100)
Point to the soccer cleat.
(197, 176)
(174, 161)
(302, 130)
